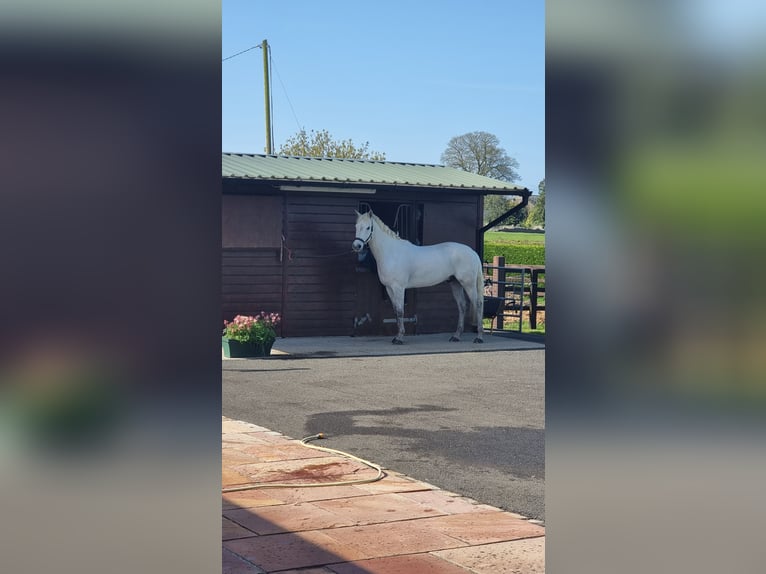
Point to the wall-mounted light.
(316, 188)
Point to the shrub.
(258, 329)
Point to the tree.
(480, 153)
(537, 213)
(495, 206)
(322, 144)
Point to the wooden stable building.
(288, 224)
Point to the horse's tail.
(477, 300)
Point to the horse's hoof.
(396, 341)
(454, 339)
(478, 340)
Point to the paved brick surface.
(233, 564)
(231, 530)
(410, 564)
(377, 508)
(289, 551)
(517, 557)
(484, 527)
(394, 526)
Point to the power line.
(279, 77)
(284, 89)
(242, 52)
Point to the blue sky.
(404, 76)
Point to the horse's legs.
(475, 291)
(396, 295)
(459, 295)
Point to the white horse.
(402, 265)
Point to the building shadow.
(254, 545)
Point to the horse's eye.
(367, 227)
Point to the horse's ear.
(357, 213)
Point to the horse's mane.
(385, 228)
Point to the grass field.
(511, 325)
(514, 237)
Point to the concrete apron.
(301, 347)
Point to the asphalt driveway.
(468, 422)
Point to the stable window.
(405, 219)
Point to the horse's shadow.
(519, 451)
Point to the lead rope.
(305, 442)
(333, 255)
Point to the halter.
(368, 237)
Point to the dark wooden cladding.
(251, 281)
(238, 214)
(319, 281)
(455, 220)
(437, 310)
(450, 222)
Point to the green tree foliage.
(496, 205)
(537, 213)
(480, 152)
(322, 144)
(519, 217)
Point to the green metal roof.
(335, 171)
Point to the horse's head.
(363, 231)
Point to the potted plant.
(247, 336)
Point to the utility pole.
(267, 95)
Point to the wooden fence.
(519, 288)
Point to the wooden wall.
(251, 281)
(319, 280)
(252, 221)
(311, 279)
(251, 273)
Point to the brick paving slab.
(394, 483)
(290, 551)
(517, 557)
(306, 471)
(394, 538)
(411, 564)
(232, 426)
(233, 564)
(234, 439)
(308, 571)
(230, 530)
(275, 496)
(484, 527)
(448, 502)
(377, 508)
(394, 526)
(230, 477)
(270, 453)
(287, 518)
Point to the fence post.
(498, 285)
(533, 300)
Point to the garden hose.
(305, 441)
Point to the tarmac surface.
(415, 408)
